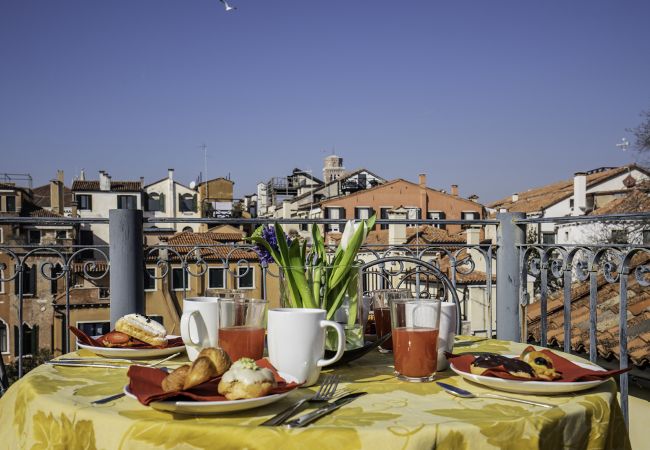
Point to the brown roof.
(43, 213)
(116, 186)
(41, 196)
(212, 249)
(538, 199)
(638, 313)
(226, 237)
(635, 201)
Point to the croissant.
(219, 358)
(176, 379)
(201, 371)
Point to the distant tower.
(333, 168)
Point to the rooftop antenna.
(624, 144)
(205, 168)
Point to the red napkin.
(568, 370)
(145, 384)
(87, 340)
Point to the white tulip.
(351, 227)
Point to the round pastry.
(246, 380)
(116, 339)
(142, 328)
(514, 367)
(541, 364)
(219, 358)
(176, 379)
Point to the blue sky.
(496, 96)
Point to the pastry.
(515, 367)
(176, 379)
(202, 370)
(116, 339)
(219, 358)
(142, 328)
(541, 364)
(245, 379)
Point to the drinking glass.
(242, 323)
(415, 338)
(381, 307)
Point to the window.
(85, 202)
(29, 281)
(216, 278)
(363, 213)
(362, 180)
(646, 237)
(11, 203)
(4, 337)
(127, 202)
(469, 215)
(155, 202)
(383, 214)
(94, 328)
(61, 234)
(245, 277)
(437, 215)
(548, 238)
(149, 279)
(186, 202)
(30, 340)
(54, 281)
(85, 237)
(34, 237)
(334, 213)
(179, 279)
(619, 237)
(413, 213)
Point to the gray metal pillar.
(509, 235)
(127, 266)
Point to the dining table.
(50, 407)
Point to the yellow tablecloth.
(50, 408)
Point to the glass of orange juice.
(242, 325)
(415, 326)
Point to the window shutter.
(163, 205)
(327, 213)
(180, 202)
(356, 213)
(147, 200)
(371, 212)
(419, 214)
(195, 203)
(34, 340)
(342, 213)
(32, 280)
(16, 332)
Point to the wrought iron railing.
(428, 268)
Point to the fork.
(64, 362)
(325, 392)
(110, 398)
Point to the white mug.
(200, 324)
(447, 332)
(296, 342)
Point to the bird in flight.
(227, 6)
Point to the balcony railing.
(522, 272)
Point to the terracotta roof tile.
(538, 199)
(116, 186)
(638, 317)
(212, 249)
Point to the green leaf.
(297, 270)
(286, 265)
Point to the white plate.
(532, 387)
(222, 407)
(118, 352)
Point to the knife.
(308, 418)
(467, 394)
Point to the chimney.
(424, 205)
(397, 231)
(473, 235)
(515, 197)
(170, 174)
(74, 208)
(141, 182)
(454, 190)
(579, 193)
(55, 197)
(82, 175)
(104, 181)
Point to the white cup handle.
(185, 328)
(341, 342)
